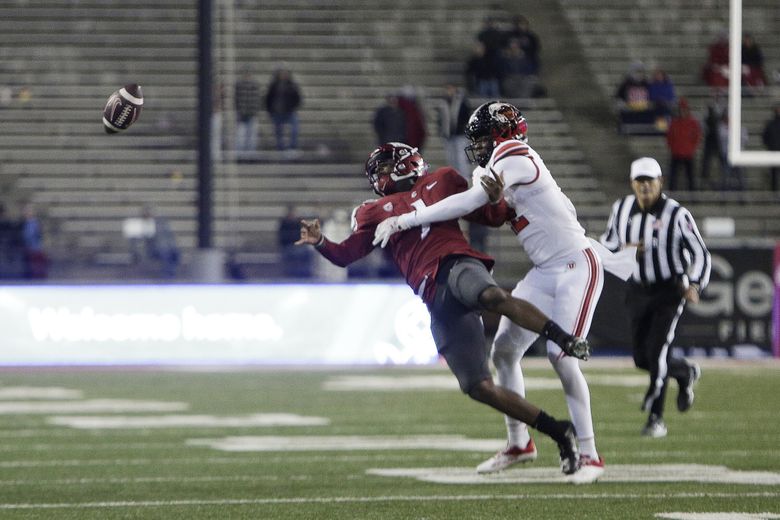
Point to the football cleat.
(567, 447)
(508, 457)
(577, 347)
(685, 397)
(590, 470)
(655, 427)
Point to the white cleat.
(508, 457)
(655, 427)
(590, 471)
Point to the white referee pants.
(567, 290)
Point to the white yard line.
(397, 498)
(348, 443)
(39, 392)
(242, 459)
(141, 480)
(94, 422)
(645, 473)
(90, 406)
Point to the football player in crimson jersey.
(565, 283)
(451, 278)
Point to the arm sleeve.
(452, 207)
(493, 215)
(611, 239)
(355, 246)
(700, 261)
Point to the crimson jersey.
(418, 251)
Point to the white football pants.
(567, 290)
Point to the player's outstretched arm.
(452, 207)
(493, 185)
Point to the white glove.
(385, 230)
(391, 225)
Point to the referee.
(673, 266)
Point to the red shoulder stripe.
(509, 152)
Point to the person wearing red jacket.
(682, 138)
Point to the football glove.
(391, 226)
(578, 348)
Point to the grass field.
(370, 443)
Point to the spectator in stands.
(662, 96)
(389, 122)
(716, 70)
(36, 262)
(682, 138)
(248, 101)
(491, 36)
(753, 76)
(715, 110)
(24, 96)
(162, 245)
(771, 138)
(454, 112)
(282, 101)
(733, 178)
(527, 40)
(413, 115)
(519, 77)
(483, 73)
(11, 247)
(156, 242)
(294, 263)
(633, 97)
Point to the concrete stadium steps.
(675, 34)
(345, 54)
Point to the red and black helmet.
(394, 167)
(490, 124)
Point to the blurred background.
(300, 92)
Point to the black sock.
(547, 424)
(555, 333)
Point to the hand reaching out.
(493, 185)
(385, 230)
(310, 232)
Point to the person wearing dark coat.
(282, 102)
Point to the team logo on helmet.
(490, 124)
(394, 167)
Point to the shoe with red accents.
(590, 470)
(508, 457)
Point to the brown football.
(123, 108)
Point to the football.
(123, 108)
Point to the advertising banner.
(776, 310)
(735, 309)
(214, 324)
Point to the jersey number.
(424, 230)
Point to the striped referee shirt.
(674, 249)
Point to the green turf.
(51, 471)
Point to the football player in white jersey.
(566, 280)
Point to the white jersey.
(546, 224)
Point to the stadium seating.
(86, 183)
(674, 35)
(345, 54)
